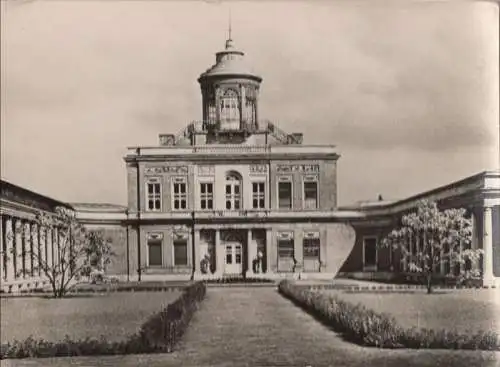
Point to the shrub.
(366, 327)
(158, 334)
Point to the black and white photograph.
(250, 183)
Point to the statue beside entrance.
(257, 263)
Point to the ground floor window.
(180, 252)
(286, 248)
(155, 257)
(370, 252)
(311, 247)
(286, 252)
(311, 252)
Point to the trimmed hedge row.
(158, 334)
(238, 279)
(366, 327)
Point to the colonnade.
(23, 245)
(485, 242)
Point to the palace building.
(234, 195)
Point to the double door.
(233, 258)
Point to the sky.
(407, 91)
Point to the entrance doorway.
(233, 260)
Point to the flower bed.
(366, 327)
(158, 334)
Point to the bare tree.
(435, 236)
(65, 248)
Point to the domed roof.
(230, 62)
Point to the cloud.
(411, 79)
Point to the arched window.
(230, 111)
(233, 191)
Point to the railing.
(207, 126)
(227, 148)
(232, 213)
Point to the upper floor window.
(310, 192)
(179, 194)
(206, 195)
(230, 110)
(233, 191)
(258, 195)
(284, 193)
(153, 189)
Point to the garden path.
(258, 327)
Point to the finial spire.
(229, 41)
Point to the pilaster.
(42, 254)
(2, 248)
(251, 253)
(219, 253)
(271, 264)
(488, 277)
(298, 236)
(9, 242)
(196, 252)
(18, 248)
(50, 249)
(442, 268)
(28, 268)
(35, 248)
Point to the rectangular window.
(258, 195)
(229, 255)
(179, 196)
(285, 195)
(155, 252)
(370, 252)
(153, 192)
(180, 252)
(311, 247)
(310, 194)
(285, 248)
(206, 195)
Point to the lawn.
(115, 315)
(461, 310)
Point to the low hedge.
(238, 279)
(158, 334)
(366, 327)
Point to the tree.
(98, 253)
(67, 259)
(434, 236)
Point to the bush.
(366, 327)
(158, 334)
